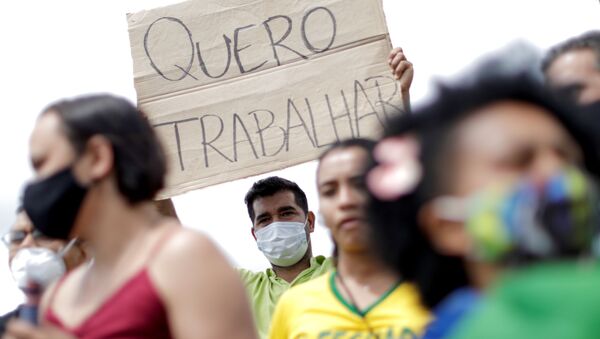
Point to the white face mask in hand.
(283, 243)
(39, 265)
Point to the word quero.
(278, 32)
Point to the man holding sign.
(281, 226)
(282, 206)
(277, 200)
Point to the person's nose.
(349, 197)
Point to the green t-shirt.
(265, 289)
(549, 301)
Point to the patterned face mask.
(527, 221)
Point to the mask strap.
(68, 247)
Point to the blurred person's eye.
(563, 153)
(519, 159)
(327, 191)
(568, 152)
(39, 236)
(360, 183)
(15, 238)
(262, 221)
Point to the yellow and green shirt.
(317, 310)
(265, 289)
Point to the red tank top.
(134, 311)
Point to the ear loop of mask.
(67, 248)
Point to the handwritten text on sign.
(238, 88)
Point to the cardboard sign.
(236, 88)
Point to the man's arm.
(203, 295)
(403, 72)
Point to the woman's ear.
(97, 161)
(447, 235)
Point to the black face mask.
(53, 203)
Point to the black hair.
(401, 242)
(139, 160)
(590, 40)
(271, 186)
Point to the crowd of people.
(474, 216)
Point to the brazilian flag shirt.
(317, 310)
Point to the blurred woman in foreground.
(98, 166)
(493, 176)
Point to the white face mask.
(39, 265)
(283, 243)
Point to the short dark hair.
(139, 160)
(401, 242)
(271, 186)
(590, 40)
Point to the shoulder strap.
(163, 239)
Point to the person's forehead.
(50, 149)
(273, 202)
(499, 125)
(580, 55)
(342, 163)
(573, 62)
(22, 223)
(46, 129)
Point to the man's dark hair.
(271, 186)
(400, 239)
(589, 40)
(139, 160)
